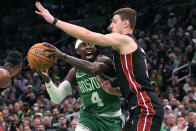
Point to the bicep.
(113, 39)
(71, 76)
(103, 65)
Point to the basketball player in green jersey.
(101, 110)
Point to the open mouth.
(89, 54)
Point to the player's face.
(116, 24)
(86, 51)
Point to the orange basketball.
(38, 58)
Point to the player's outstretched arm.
(115, 40)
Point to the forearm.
(84, 34)
(57, 94)
(115, 91)
(82, 65)
(74, 30)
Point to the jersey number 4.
(95, 99)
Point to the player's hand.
(54, 51)
(107, 87)
(44, 13)
(105, 84)
(43, 73)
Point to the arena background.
(166, 30)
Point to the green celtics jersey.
(94, 97)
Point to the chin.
(89, 59)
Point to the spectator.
(62, 123)
(189, 118)
(192, 103)
(173, 103)
(5, 113)
(26, 128)
(171, 121)
(47, 123)
(167, 109)
(48, 113)
(22, 81)
(2, 122)
(185, 102)
(193, 87)
(181, 124)
(165, 102)
(36, 82)
(172, 20)
(193, 127)
(36, 123)
(40, 127)
(156, 78)
(26, 122)
(36, 109)
(55, 116)
(26, 112)
(73, 125)
(31, 98)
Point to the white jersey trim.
(111, 114)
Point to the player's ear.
(126, 23)
(77, 52)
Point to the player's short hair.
(14, 57)
(127, 14)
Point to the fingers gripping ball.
(38, 58)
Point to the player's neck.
(127, 31)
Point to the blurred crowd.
(168, 36)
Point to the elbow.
(95, 71)
(57, 101)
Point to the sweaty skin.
(4, 78)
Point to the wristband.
(55, 20)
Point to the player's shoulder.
(4, 72)
(103, 58)
(4, 78)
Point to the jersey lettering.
(88, 85)
(96, 99)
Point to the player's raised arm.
(103, 64)
(116, 40)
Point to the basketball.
(38, 58)
(5, 78)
